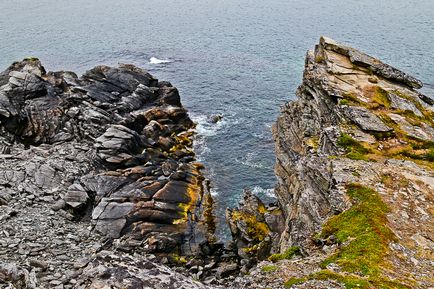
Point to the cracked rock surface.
(91, 169)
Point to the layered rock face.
(356, 149)
(88, 160)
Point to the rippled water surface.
(239, 58)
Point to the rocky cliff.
(96, 172)
(354, 162)
(99, 185)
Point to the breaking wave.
(259, 191)
(155, 60)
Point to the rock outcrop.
(255, 229)
(354, 162)
(99, 186)
(100, 162)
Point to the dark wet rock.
(215, 118)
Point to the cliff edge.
(354, 162)
(355, 171)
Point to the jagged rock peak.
(358, 135)
(361, 59)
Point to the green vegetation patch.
(294, 281)
(426, 156)
(364, 227)
(380, 97)
(289, 253)
(269, 268)
(353, 281)
(364, 237)
(418, 150)
(348, 281)
(350, 98)
(428, 115)
(354, 149)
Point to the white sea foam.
(214, 192)
(155, 60)
(248, 160)
(201, 149)
(258, 190)
(205, 128)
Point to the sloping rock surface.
(84, 161)
(359, 123)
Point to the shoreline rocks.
(100, 187)
(99, 162)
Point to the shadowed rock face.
(112, 147)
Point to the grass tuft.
(289, 253)
(269, 268)
(354, 149)
(364, 225)
(294, 281)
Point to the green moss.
(364, 226)
(348, 281)
(289, 253)
(418, 144)
(428, 115)
(383, 135)
(179, 260)
(269, 268)
(356, 174)
(426, 156)
(344, 102)
(351, 98)
(364, 237)
(354, 149)
(354, 281)
(381, 97)
(293, 281)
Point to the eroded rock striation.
(95, 163)
(354, 162)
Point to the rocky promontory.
(96, 172)
(354, 164)
(99, 186)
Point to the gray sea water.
(239, 58)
